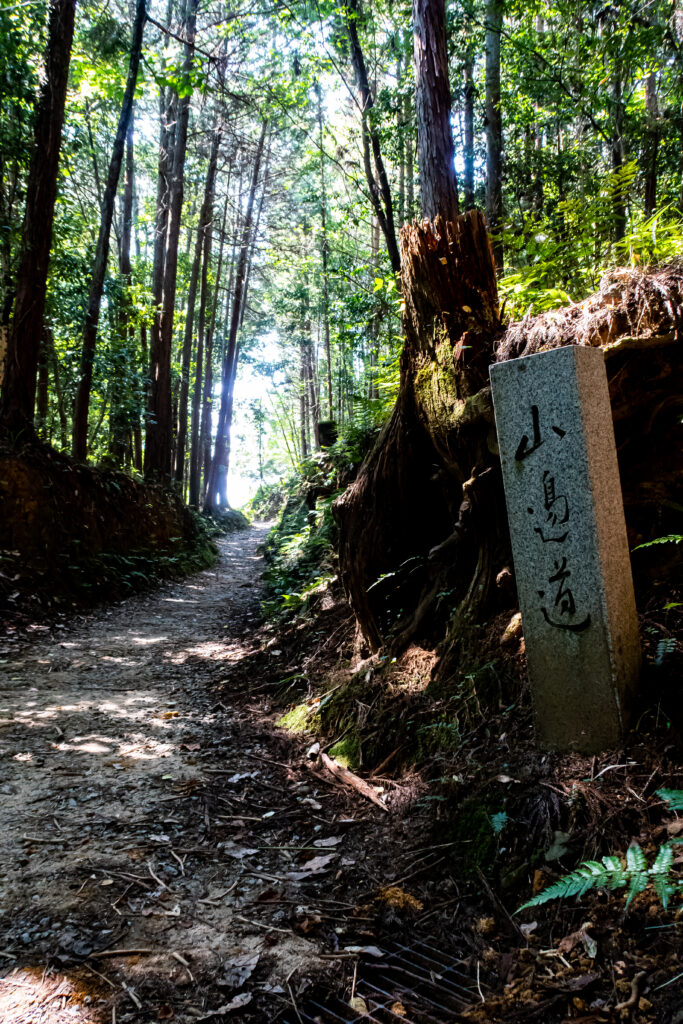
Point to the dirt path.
(140, 812)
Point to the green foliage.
(674, 798)
(611, 873)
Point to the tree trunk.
(494, 128)
(200, 426)
(26, 330)
(651, 144)
(203, 232)
(122, 421)
(428, 479)
(617, 148)
(468, 154)
(80, 432)
(378, 182)
(433, 104)
(325, 257)
(219, 461)
(159, 423)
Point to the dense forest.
(230, 190)
(299, 723)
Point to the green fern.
(611, 874)
(673, 797)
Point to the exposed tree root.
(423, 530)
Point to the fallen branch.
(349, 779)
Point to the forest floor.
(170, 853)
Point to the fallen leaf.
(165, 1012)
(238, 969)
(235, 1004)
(315, 866)
(358, 1004)
(399, 1009)
(332, 841)
(368, 950)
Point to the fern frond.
(591, 875)
(611, 874)
(673, 797)
(635, 859)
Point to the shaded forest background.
(232, 182)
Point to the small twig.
(259, 924)
(98, 975)
(353, 983)
(131, 994)
(181, 861)
(633, 998)
(155, 877)
(183, 961)
(669, 982)
(481, 994)
(105, 953)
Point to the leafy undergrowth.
(301, 548)
(449, 745)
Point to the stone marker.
(569, 544)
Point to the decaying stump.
(423, 529)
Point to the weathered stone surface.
(569, 544)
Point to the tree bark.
(26, 329)
(468, 155)
(159, 423)
(122, 419)
(433, 104)
(494, 127)
(82, 406)
(651, 144)
(378, 182)
(203, 232)
(219, 461)
(325, 257)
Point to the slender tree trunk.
(159, 424)
(219, 463)
(378, 182)
(203, 245)
(303, 397)
(53, 363)
(26, 330)
(468, 112)
(122, 419)
(400, 128)
(80, 432)
(325, 256)
(438, 185)
(494, 128)
(617, 148)
(651, 144)
(42, 391)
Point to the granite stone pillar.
(569, 544)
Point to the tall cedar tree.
(80, 431)
(433, 105)
(26, 330)
(219, 466)
(159, 434)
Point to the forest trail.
(142, 813)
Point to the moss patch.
(348, 751)
(301, 718)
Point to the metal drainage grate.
(415, 984)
